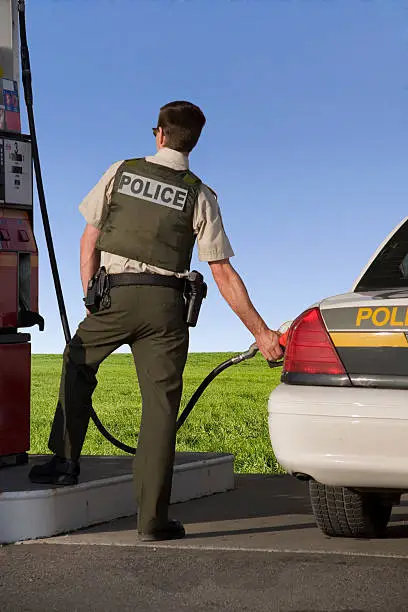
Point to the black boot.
(57, 471)
(172, 530)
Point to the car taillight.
(309, 348)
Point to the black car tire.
(342, 512)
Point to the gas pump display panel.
(16, 177)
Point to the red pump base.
(15, 373)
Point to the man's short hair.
(182, 123)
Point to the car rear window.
(390, 268)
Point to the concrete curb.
(41, 513)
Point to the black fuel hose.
(28, 96)
(251, 352)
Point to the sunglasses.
(155, 131)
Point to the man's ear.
(162, 137)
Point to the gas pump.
(18, 252)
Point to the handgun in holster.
(98, 295)
(194, 293)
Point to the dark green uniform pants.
(150, 320)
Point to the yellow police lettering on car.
(394, 321)
(152, 191)
(381, 316)
(395, 316)
(363, 314)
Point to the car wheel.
(342, 512)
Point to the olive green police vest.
(150, 217)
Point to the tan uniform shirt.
(212, 241)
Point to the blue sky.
(305, 142)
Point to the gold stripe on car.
(367, 339)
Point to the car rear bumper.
(341, 436)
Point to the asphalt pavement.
(83, 578)
(254, 548)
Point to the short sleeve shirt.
(212, 241)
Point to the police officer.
(143, 218)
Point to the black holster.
(98, 294)
(194, 293)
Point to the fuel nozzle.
(251, 352)
(283, 331)
(253, 349)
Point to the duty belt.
(143, 278)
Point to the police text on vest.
(152, 191)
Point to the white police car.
(339, 418)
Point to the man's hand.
(268, 343)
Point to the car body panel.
(347, 437)
(369, 334)
(371, 299)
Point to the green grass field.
(231, 415)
